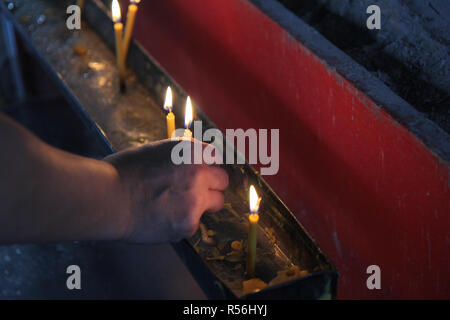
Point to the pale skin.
(136, 195)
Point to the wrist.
(118, 217)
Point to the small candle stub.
(205, 236)
(170, 118)
(236, 245)
(289, 274)
(253, 285)
(80, 50)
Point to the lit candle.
(170, 118)
(118, 30)
(253, 219)
(188, 118)
(131, 15)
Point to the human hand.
(166, 201)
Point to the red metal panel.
(366, 189)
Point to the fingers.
(208, 201)
(205, 195)
(215, 201)
(208, 186)
(216, 178)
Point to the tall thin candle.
(170, 118)
(118, 30)
(188, 118)
(253, 219)
(131, 16)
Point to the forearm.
(50, 195)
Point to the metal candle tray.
(108, 122)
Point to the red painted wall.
(364, 187)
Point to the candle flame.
(115, 8)
(254, 200)
(188, 115)
(168, 102)
(135, 1)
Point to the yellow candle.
(118, 30)
(131, 16)
(188, 118)
(253, 219)
(170, 118)
(188, 133)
